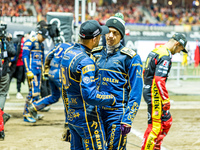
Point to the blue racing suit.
(33, 55)
(79, 78)
(52, 68)
(120, 74)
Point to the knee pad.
(166, 126)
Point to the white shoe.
(8, 96)
(40, 116)
(19, 96)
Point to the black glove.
(66, 136)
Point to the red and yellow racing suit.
(157, 67)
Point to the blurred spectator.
(7, 51)
(133, 12)
(17, 66)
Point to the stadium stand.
(134, 12)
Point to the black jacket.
(6, 54)
(13, 72)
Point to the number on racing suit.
(64, 77)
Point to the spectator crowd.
(133, 12)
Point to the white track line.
(140, 135)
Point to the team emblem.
(165, 63)
(86, 80)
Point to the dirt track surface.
(46, 134)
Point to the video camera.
(2, 35)
(3, 28)
(54, 31)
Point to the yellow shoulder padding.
(96, 49)
(128, 52)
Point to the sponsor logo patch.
(156, 113)
(88, 68)
(165, 63)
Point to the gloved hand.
(166, 106)
(29, 75)
(66, 136)
(45, 76)
(125, 129)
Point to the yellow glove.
(29, 75)
(45, 76)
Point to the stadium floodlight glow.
(169, 2)
(92, 8)
(154, 1)
(197, 3)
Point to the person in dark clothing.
(20, 70)
(7, 51)
(17, 65)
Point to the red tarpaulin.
(196, 56)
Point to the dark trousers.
(4, 86)
(18, 73)
(19, 76)
(45, 89)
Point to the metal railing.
(180, 72)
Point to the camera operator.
(54, 31)
(7, 51)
